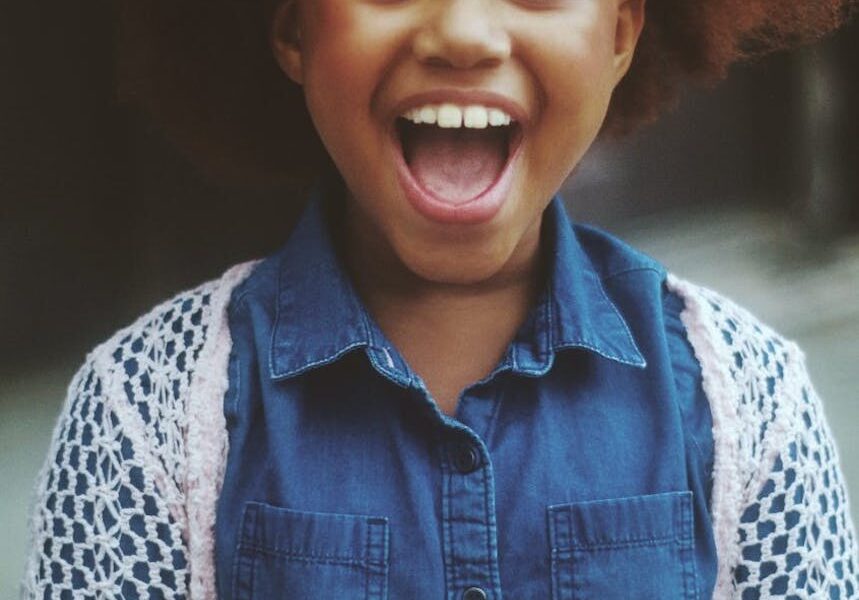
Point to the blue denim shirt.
(579, 468)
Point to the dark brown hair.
(205, 74)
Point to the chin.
(448, 267)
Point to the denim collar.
(574, 310)
(320, 318)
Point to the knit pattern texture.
(779, 506)
(125, 503)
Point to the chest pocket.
(298, 555)
(640, 547)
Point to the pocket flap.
(326, 537)
(618, 521)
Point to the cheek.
(350, 43)
(571, 52)
(330, 35)
(345, 63)
(570, 62)
(581, 68)
(573, 63)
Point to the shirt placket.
(468, 518)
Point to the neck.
(451, 334)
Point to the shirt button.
(474, 593)
(466, 459)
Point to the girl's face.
(462, 203)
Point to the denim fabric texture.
(579, 468)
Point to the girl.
(439, 386)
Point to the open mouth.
(456, 165)
(452, 160)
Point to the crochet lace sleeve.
(101, 524)
(780, 510)
(125, 502)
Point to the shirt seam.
(683, 415)
(659, 271)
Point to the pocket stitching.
(255, 507)
(690, 570)
(682, 537)
(237, 557)
(305, 556)
(376, 571)
(621, 544)
(374, 561)
(374, 523)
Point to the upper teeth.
(450, 116)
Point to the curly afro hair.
(203, 71)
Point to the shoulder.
(258, 284)
(734, 346)
(169, 336)
(147, 402)
(611, 256)
(752, 374)
(142, 377)
(134, 440)
(777, 473)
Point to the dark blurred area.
(100, 217)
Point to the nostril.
(435, 61)
(461, 61)
(463, 42)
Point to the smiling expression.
(541, 70)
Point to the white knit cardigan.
(138, 458)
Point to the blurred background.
(750, 189)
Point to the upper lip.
(462, 97)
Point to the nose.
(461, 34)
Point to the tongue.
(456, 165)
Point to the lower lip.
(479, 209)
